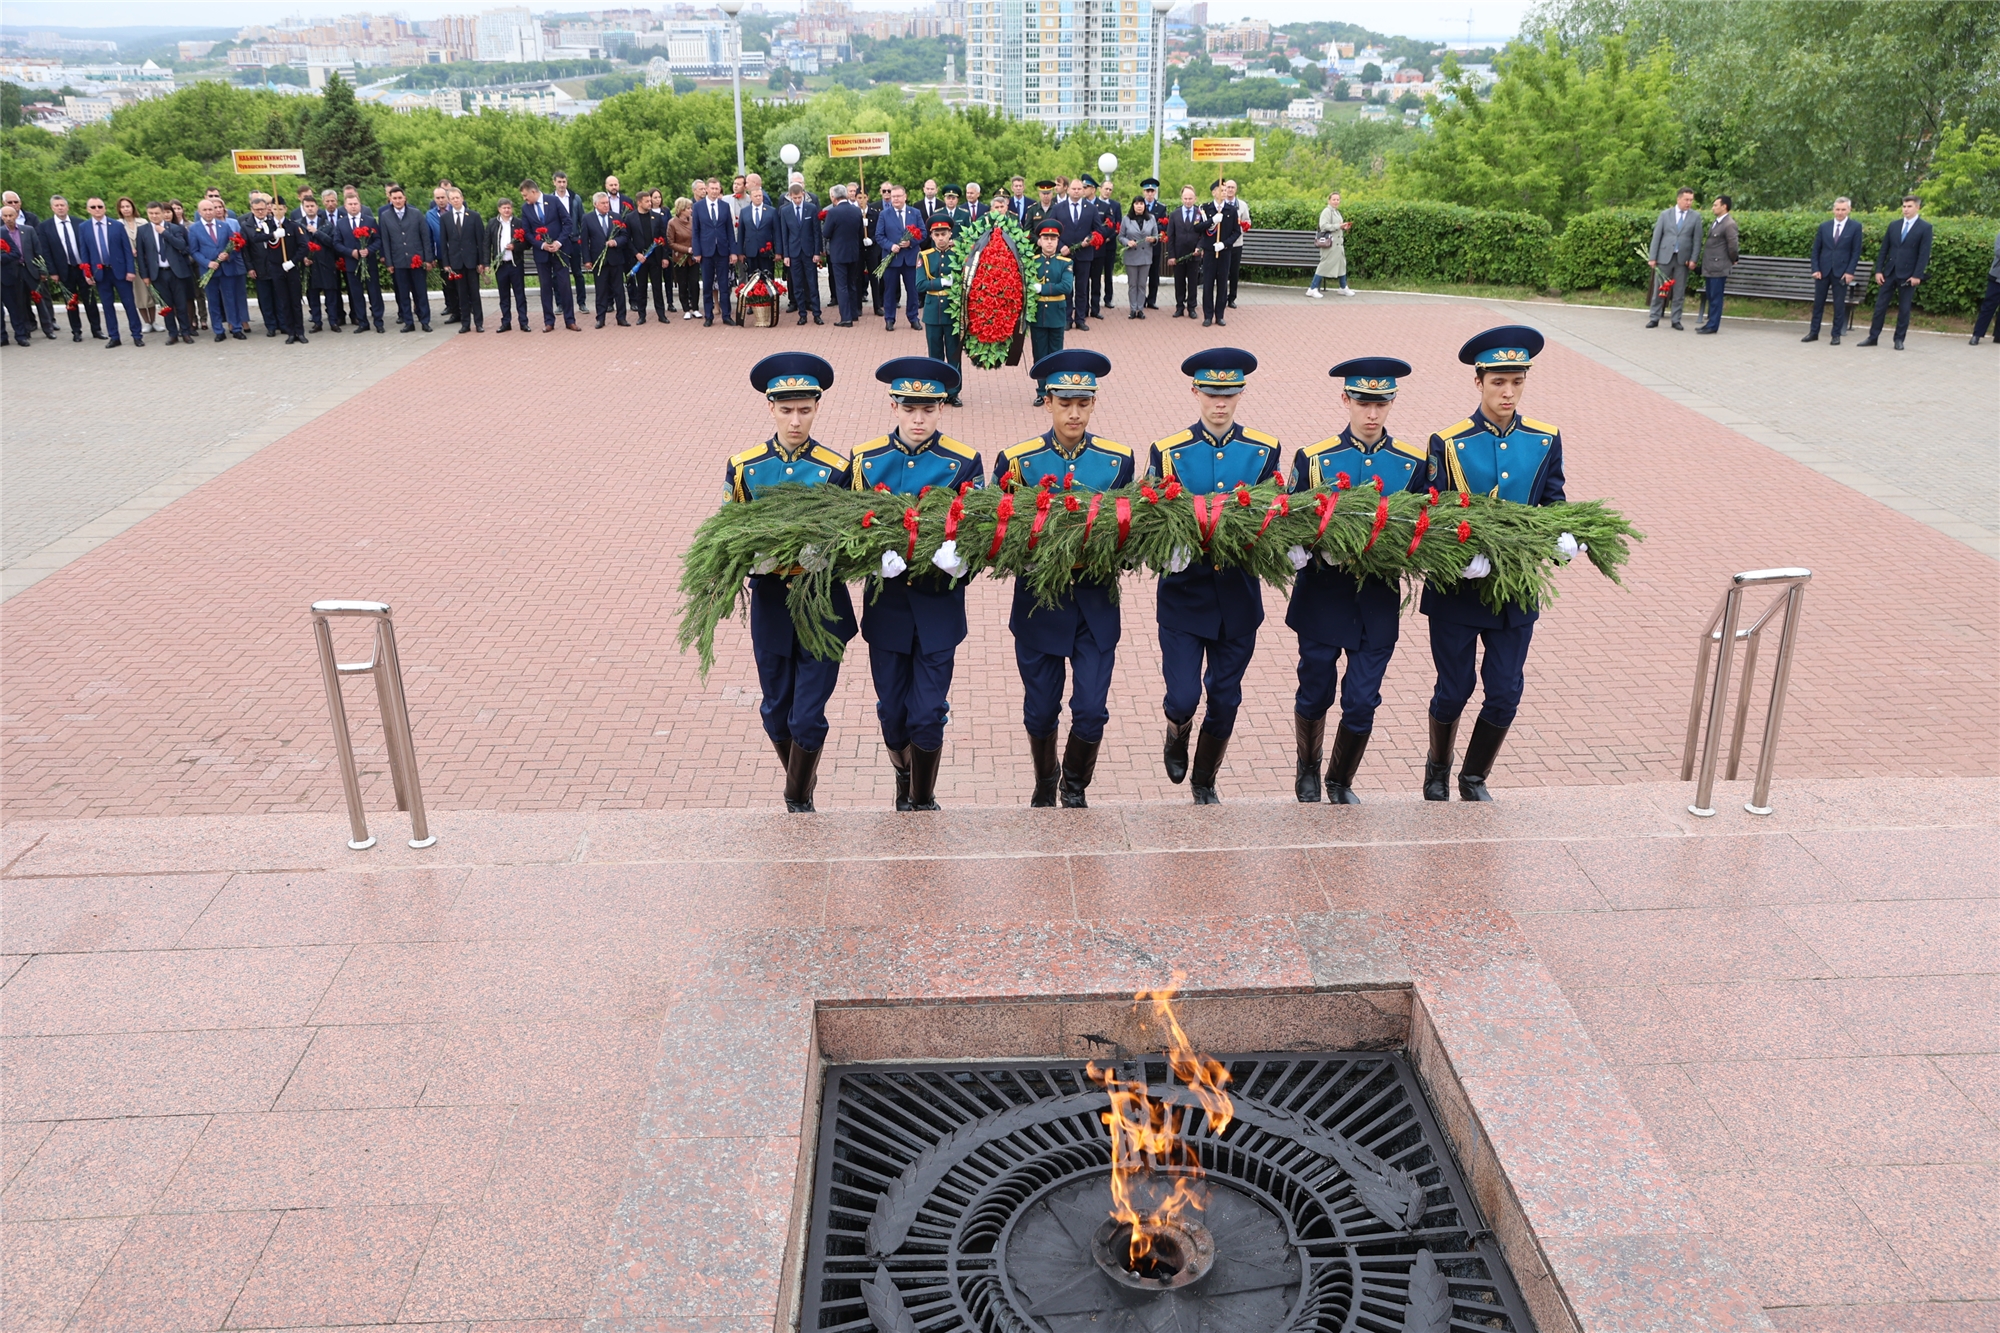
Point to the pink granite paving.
(1731, 1073)
(523, 504)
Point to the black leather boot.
(1311, 737)
(1208, 752)
(801, 776)
(1437, 764)
(1047, 771)
(1348, 747)
(923, 777)
(900, 761)
(1480, 752)
(1079, 765)
(1176, 752)
(784, 749)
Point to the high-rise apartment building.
(1063, 62)
(512, 35)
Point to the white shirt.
(1907, 224)
(104, 241)
(69, 237)
(1838, 223)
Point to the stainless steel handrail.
(387, 668)
(1723, 629)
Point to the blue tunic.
(753, 473)
(1329, 605)
(921, 607)
(1205, 599)
(1097, 464)
(1522, 464)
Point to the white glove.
(892, 564)
(1218, 247)
(1299, 557)
(1569, 548)
(763, 564)
(868, 240)
(1479, 568)
(947, 558)
(1178, 559)
(811, 560)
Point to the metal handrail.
(1723, 629)
(387, 668)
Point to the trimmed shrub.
(1424, 242)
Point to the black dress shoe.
(427, 326)
(171, 340)
(239, 335)
(221, 337)
(844, 324)
(291, 338)
(361, 328)
(1705, 329)
(379, 327)
(1836, 340)
(76, 337)
(1870, 341)
(1220, 323)
(1899, 344)
(622, 324)
(802, 319)
(1810, 338)
(1208, 321)
(708, 323)
(316, 328)
(1972, 342)
(270, 333)
(301, 340)
(1652, 323)
(817, 319)
(1677, 326)
(509, 328)
(113, 343)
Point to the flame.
(1153, 1170)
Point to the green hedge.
(1597, 250)
(1423, 242)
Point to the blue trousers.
(1360, 695)
(1503, 674)
(228, 303)
(1042, 679)
(512, 284)
(912, 695)
(552, 274)
(797, 686)
(1181, 660)
(111, 291)
(904, 276)
(1715, 286)
(413, 293)
(714, 285)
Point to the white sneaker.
(1315, 293)
(1349, 291)
(687, 314)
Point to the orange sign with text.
(270, 161)
(1222, 150)
(857, 145)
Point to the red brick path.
(522, 503)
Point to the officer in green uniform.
(937, 271)
(1048, 322)
(960, 215)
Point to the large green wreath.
(1055, 538)
(985, 352)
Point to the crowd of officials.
(332, 261)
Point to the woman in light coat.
(1138, 237)
(142, 287)
(1333, 257)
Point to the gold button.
(1371, 462)
(913, 462)
(1218, 453)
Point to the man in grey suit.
(406, 248)
(1676, 243)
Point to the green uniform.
(937, 270)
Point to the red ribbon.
(1281, 505)
(1124, 519)
(1381, 521)
(1423, 526)
(1041, 516)
(1003, 512)
(910, 526)
(1090, 519)
(1326, 504)
(1205, 522)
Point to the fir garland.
(1055, 538)
(989, 355)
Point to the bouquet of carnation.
(916, 239)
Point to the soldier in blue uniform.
(914, 625)
(1081, 633)
(937, 270)
(1048, 322)
(796, 684)
(1497, 452)
(1333, 612)
(1208, 610)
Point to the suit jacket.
(1079, 224)
(343, 234)
(757, 230)
(890, 229)
(1832, 257)
(799, 230)
(206, 249)
(871, 215)
(17, 261)
(268, 255)
(574, 206)
(646, 228)
(1671, 241)
(1718, 253)
(840, 232)
(146, 250)
(323, 264)
(545, 213)
(405, 238)
(51, 240)
(1186, 236)
(1901, 257)
(599, 231)
(175, 245)
(462, 246)
(500, 237)
(717, 238)
(1225, 224)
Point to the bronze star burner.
(1014, 1198)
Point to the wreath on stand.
(986, 308)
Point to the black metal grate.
(963, 1199)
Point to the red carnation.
(313, 246)
(1464, 531)
(340, 265)
(1423, 526)
(1341, 481)
(6, 249)
(1173, 487)
(541, 233)
(520, 235)
(1434, 496)
(1070, 503)
(1242, 495)
(1464, 500)
(236, 241)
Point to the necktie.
(104, 246)
(711, 210)
(69, 240)
(1836, 230)
(1906, 228)
(211, 231)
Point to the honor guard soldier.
(796, 684)
(1332, 611)
(937, 270)
(1048, 324)
(1496, 452)
(1207, 610)
(1081, 632)
(958, 213)
(914, 625)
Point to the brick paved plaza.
(253, 1080)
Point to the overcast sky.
(1491, 20)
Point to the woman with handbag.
(1138, 236)
(1331, 239)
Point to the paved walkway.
(528, 540)
(556, 1067)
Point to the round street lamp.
(1107, 163)
(732, 8)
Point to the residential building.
(1249, 35)
(1305, 108)
(455, 34)
(195, 50)
(539, 99)
(1062, 62)
(699, 48)
(510, 35)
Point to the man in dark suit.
(1018, 202)
(1900, 266)
(757, 228)
(62, 245)
(508, 254)
(462, 253)
(841, 233)
(154, 244)
(1225, 229)
(547, 226)
(1186, 240)
(406, 238)
(212, 243)
(871, 254)
(359, 241)
(1836, 253)
(1109, 216)
(113, 268)
(1150, 187)
(606, 242)
(276, 257)
(574, 206)
(800, 242)
(17, 275)
(322, 266)
(1079, 243)
(894, 237)
(714, 246)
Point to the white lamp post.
(733, 8)
(1160, 11)
(1107, 163)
